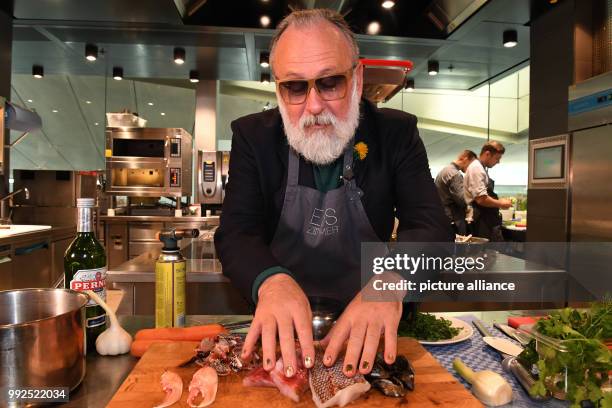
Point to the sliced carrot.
(193, 333)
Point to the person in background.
(449, 183)
(479, 193)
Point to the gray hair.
(306, 18)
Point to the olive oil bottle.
(85, 269)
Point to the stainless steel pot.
(325, 312)
(42, 338)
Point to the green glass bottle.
(85, 269)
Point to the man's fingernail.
(365, 365)
(390, 357)
(349, 368)
(288, 371)
(328, 359)
(308, 361)
(268, 362)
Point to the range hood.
(382, 79)
(447, 15)
(21, 119)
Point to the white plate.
(465, 333)
(515, 228)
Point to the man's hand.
(362, 323)
(490, 202)
(505, 203)
(281, 307)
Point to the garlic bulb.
(114, 340)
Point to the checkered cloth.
(479, 356)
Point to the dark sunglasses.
(329, 88)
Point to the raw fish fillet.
(290, 387)
(173, 387)
(204, 383)
(330, 387)
(258, 377)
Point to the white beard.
(323, 146)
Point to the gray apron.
(319, 235)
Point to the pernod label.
(90, 279)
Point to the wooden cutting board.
(434, 387)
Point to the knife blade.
(507, 330)
(513, 333)
(503, 346)
(482, 328)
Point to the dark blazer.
(394, 177)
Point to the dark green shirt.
(326, 178)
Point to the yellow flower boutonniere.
(361, 150)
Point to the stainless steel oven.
(212, 177)
(149, 162)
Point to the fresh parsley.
(424, 326)
(581, 353)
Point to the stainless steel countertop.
(142, 269)
(202, 265)
(55, 232)
(105, 374)
(213, 220)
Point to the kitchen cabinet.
(116, 244)
(34, 259)
(32, 264)
(6, 268)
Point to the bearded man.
(308, 183)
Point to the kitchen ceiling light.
(373, 28)
(388, 4)
(54, 111)
(194, 76)
(179, 55)
(265, 78)
(96, 124)
(29, 100)
(150, 103)
(163, 113)
(510, 38)
(88, 102)
(433, 67)
(38, 71)
(117, 73)
(91, 52)
(410, 85)
(264, 59)
(264, 21)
